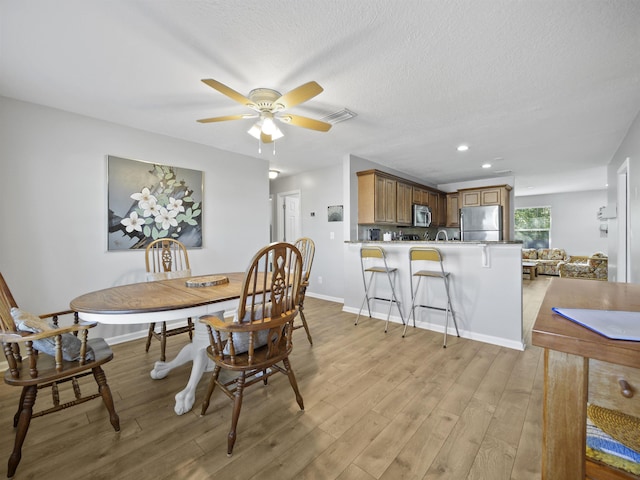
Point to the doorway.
(624, 255)
(289, 225)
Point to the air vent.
(339, 116)
(503, 171)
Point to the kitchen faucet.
(446, 237)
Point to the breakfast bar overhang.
(485, 285)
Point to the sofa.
(546, 259)
(595, 267)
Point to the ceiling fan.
(269, 105)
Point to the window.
(532, 226)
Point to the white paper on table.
(614, 324)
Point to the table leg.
(196, 353)
(564, 416)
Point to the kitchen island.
(485, 285)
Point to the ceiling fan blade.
(225, 118)
(230, 92)
(297, 96)
(305, 122)
(264, 138)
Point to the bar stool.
(430, 257)
(368, 258)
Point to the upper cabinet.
(453, 210)
(477, 197)
(404, 200)
(385, 198)
(420, 196)
(376, 198)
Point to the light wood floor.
(377, 406)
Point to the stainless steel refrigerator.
(481, 223)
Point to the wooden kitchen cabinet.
(420, 196)
(386, 199)
(404, 200)
(469, 198)
(453, 210)
(377, 198)
(442, 210)
(485, 196)
(434, 205)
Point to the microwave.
(421, 216)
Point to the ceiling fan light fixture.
(277, 133)
(268, 125)
(268, 104)
(255, 130)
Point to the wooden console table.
(576, 361)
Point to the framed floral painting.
(147, 201)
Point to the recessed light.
(486, 165)
(463, 148)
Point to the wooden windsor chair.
(307, 249)
(49, 355)
(257, 343)
(167, 258)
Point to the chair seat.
(260, 360)
(430, 273)
(381, 269)
(47, 366)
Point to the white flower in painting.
(175, 204)
(167, 218)
(152, 209)
(144, 198)
(132, 222)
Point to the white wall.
(320, 189)
(574, 222)
(629, 149)
(53, 204)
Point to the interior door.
(289, 219)
(292, 218)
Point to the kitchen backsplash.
(364, 232)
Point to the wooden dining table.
(168, 300)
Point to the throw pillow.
(28, 322)
(241, 340)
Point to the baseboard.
(451, 331)
(324, 297)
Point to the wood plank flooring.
(377, 406)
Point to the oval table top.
(157, 296)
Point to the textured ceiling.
(545, 90)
